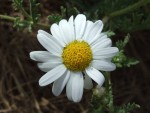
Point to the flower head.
(76, 50)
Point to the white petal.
(98, 38)
(49, 44)
(69, 88)
(41, 56)
(60, 83)
(105, 42)
(89, 25)
(88, 82)
(72, 28)
(57, 34)
(105, 53)
(103, 65)
(95, 30)
(95, 75)
(52, 75)
(66, 31)
(70, 21)
(45, 33)
(75, 86)
(80, 24)
(47, 66)
(49, 36)
(77, 90)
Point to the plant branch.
(25, 13)
(43, 25)
(7, 17)
(126, 10)
(22, 10)
(31, 9)
(13, 19)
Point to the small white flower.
(76, 50)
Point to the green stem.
(25, 13)
(107, 81)
(13, 19)
(43, 25)
(129, 8)
(102, 102)
(126, 10)
(7, 17)
(30, 4)
(108, 86)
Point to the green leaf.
(22, 24)
(72, 10)
(34, 10)
(17, 4)
(131, 61)
(110, 33)
(54, 18)
(121, 44)
(63, 12)
(130, 107)
(121, 60)
(126, 108)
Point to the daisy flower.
(76, 51)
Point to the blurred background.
(19, 89)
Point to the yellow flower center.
(77, 55)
